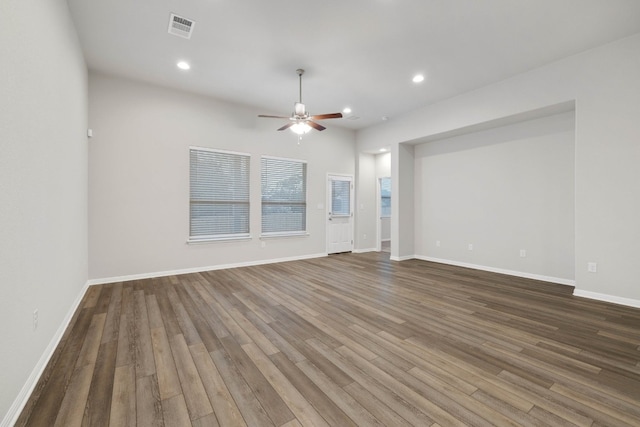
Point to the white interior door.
(340, 214)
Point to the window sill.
(283, 235)
(198, 241)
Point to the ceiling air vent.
(180, 26)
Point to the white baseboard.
(607, 298)
(361, 251)
(151, 275)
(558, 280)
(20, 401)
(402, 258)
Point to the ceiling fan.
(301, 121)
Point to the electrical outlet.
(470, 247)
(364, 237)
(592, 267)
(35, 319)
(438, 243)
(263, 243)
(523, 253)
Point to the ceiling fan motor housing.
(299, 110)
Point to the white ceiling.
(357, 53)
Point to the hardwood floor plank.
(99, 400)
(72, 408)
(253, 332)
(331, 370)
(397, 403)
(126, 334)
(263, 390)
(91, 296)
(374, 409)
(168, 381)
(349, 405)
(318, 399)
(545, 400)
(420, 402)
(123, 400)
(350, 339)
(175, 412)
(189, 331)
(254, 307)
(145, 363)
(251, 409)
(302, 409)
(168, 316)
(465, 372)
(453, 401)
(153, 312)
(192, 388)
(198, 316)
(206, 421)
(112, 321)
(276, 339)
(224, 407)
(148, 406)
(602, 412)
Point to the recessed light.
(183, 65)
(346, 110)
(418, 78)
(383, 150)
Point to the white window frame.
(296, 233)
(221, 237)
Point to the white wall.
(502, 190)
(402, 202)
(139, 177)
(43, 179)
(365, 226)
(604, 84)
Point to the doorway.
(384, 214)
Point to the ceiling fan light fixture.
(300, 128)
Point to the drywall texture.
(503, 191)
(43, 179)
(139, 177)
(604, 84)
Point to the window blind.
(284, 196)
(340, 198)
(219, 195)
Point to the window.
(284, 196)
(385, 197)
(219, 195)
(340, 197)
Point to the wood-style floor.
(350, 339)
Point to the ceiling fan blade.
(287, 126)
(273, 117)
(326, 116)
(315, 125)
